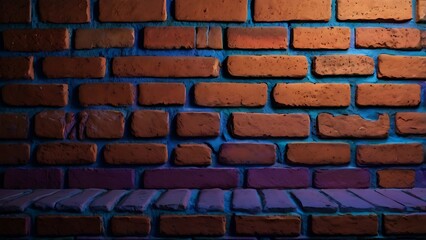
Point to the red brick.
(343, 65)
(407, 123)
(132, 10)
(14, 154)
(318, 153)
(153, 66)
(247, 153)
(192, 154)
(230, 94)
(292, 10)
(169, 37)
(388, 95)
(257, 38)
(162, 94)
(211, 10)
(59, 225)
(150, 123)
(201, 225)
(66, 153)
(64, 11)
(421, 11)
(36, 40)
(14, 226)
(268, 66)
(31, 95)
(404, 224)
(284, 225)
(352, 126)
(53, 124)
(14, 126)
(104, 38)
(101, 124)
(74, 67)
(270, 125)
(130, 225)
(401, 67)
(321, 38)
(215, 38)
(15, 11)
(312, 95)
(202, 37)
(16, 68)
(198, 124)
(374, 10)
(424, 39)
(385, 154)
(114, 94)
(396, 178)
(140, 154)
(343, 225)
(394, 38)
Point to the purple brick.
(211, 200)
(101, 178)
(348, 201)
(342, 178)
(277, 201)
(417, 192)
(21, 203)
(224, 178)
(312, 200)
(136, 201)
(246, 200)
(411, 203)
(20, 178)
(49, 202)
(107, 201)
(379, 201)
(176, 199)
(79, 202)
(421, 178)
(7, 193)
(278, 178)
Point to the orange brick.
(374, 10)
(36, 40)
(15, 11)
(66, 153)
(343, 65)
(162, 94)
(344, 225)
(405, 67)
(169, 37)
(114, 94)
(57, 225)
(321, 38)
(101, 124)
(64, 11)
(201, 225)
(130, 225)
(16, 68)
(268, 225)
(247, 153)
(404, 224)
(198, 124)
(135, 153)
(31, 95)
(257, 38)
(104, 38)
(132, 10)
(74, 67)
(318, 153)
(193, 154)
(211, 10)
(150, 123)
(407, 123)
(385, 154)
(394, 38)
(396, 178)
(390, 95)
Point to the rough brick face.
(205, 225)
(396, 178)
(162, 94)
(16, 68)
(135, 154)
(31, 95)
(400, 224)
(421, 11)
(211, 10)
(342, 178)
(257, 38)
(35, 40)
(149, 124)
(58, 225)
(345, 225)
(45, 178)
(408, 123)
(388, 95)
(401, 67)
(343, 65)
(122, 178)
(16, 11)
(114, 94)
(66, 153)
(394, 38)
(15, 226)
(132, 10)
(74, 67)
(104, 38)
(14, 154)
(318, 153)
(14, 126)
(198, 124)
(192, 154)
(374, 10)
(268, 225)
(398, 154)
(64, 11)
(101, 124)
(53, 124)
(321, 38)
(130, 225)
(247, 153)
(169, 37)
(292, 10)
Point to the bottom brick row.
(214, 225)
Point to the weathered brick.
(257, 38)
(267, 66)
(312, 95)
(111, 178)
(192, 154)
(101, 124)
(31, 95)
(16, 68)
(154, 66)
(54, 124)
(130, 225)
(150, 123)
(15, 226)
(421, 11)
(396, 178)
(64, 11)
(14, 126)
(278, 178)
(210, 38)
(104, 38)
(407, 123)
(342, 178)
(403, 224)
(74, 67)
(211, 10)
(270, 125)
(14, 154)
(202, 37)
(34, 178)
(135, 153)
(204, 225)
(66, 153)
(289, 225)
(132, 10)
(388, 95)
(348, 224)
(60, 225)
(318, 153)
(374, 10)
(15, 11)
(343, 65)
(352, 126)
(401, 67)
(36, 40)
(398, 154)
(424, 39)
(247, 153)
(169, 37)
(292, 10)
(394, 38)
(198, 124)
(162, 94)
(114, 94)
(321, 38)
